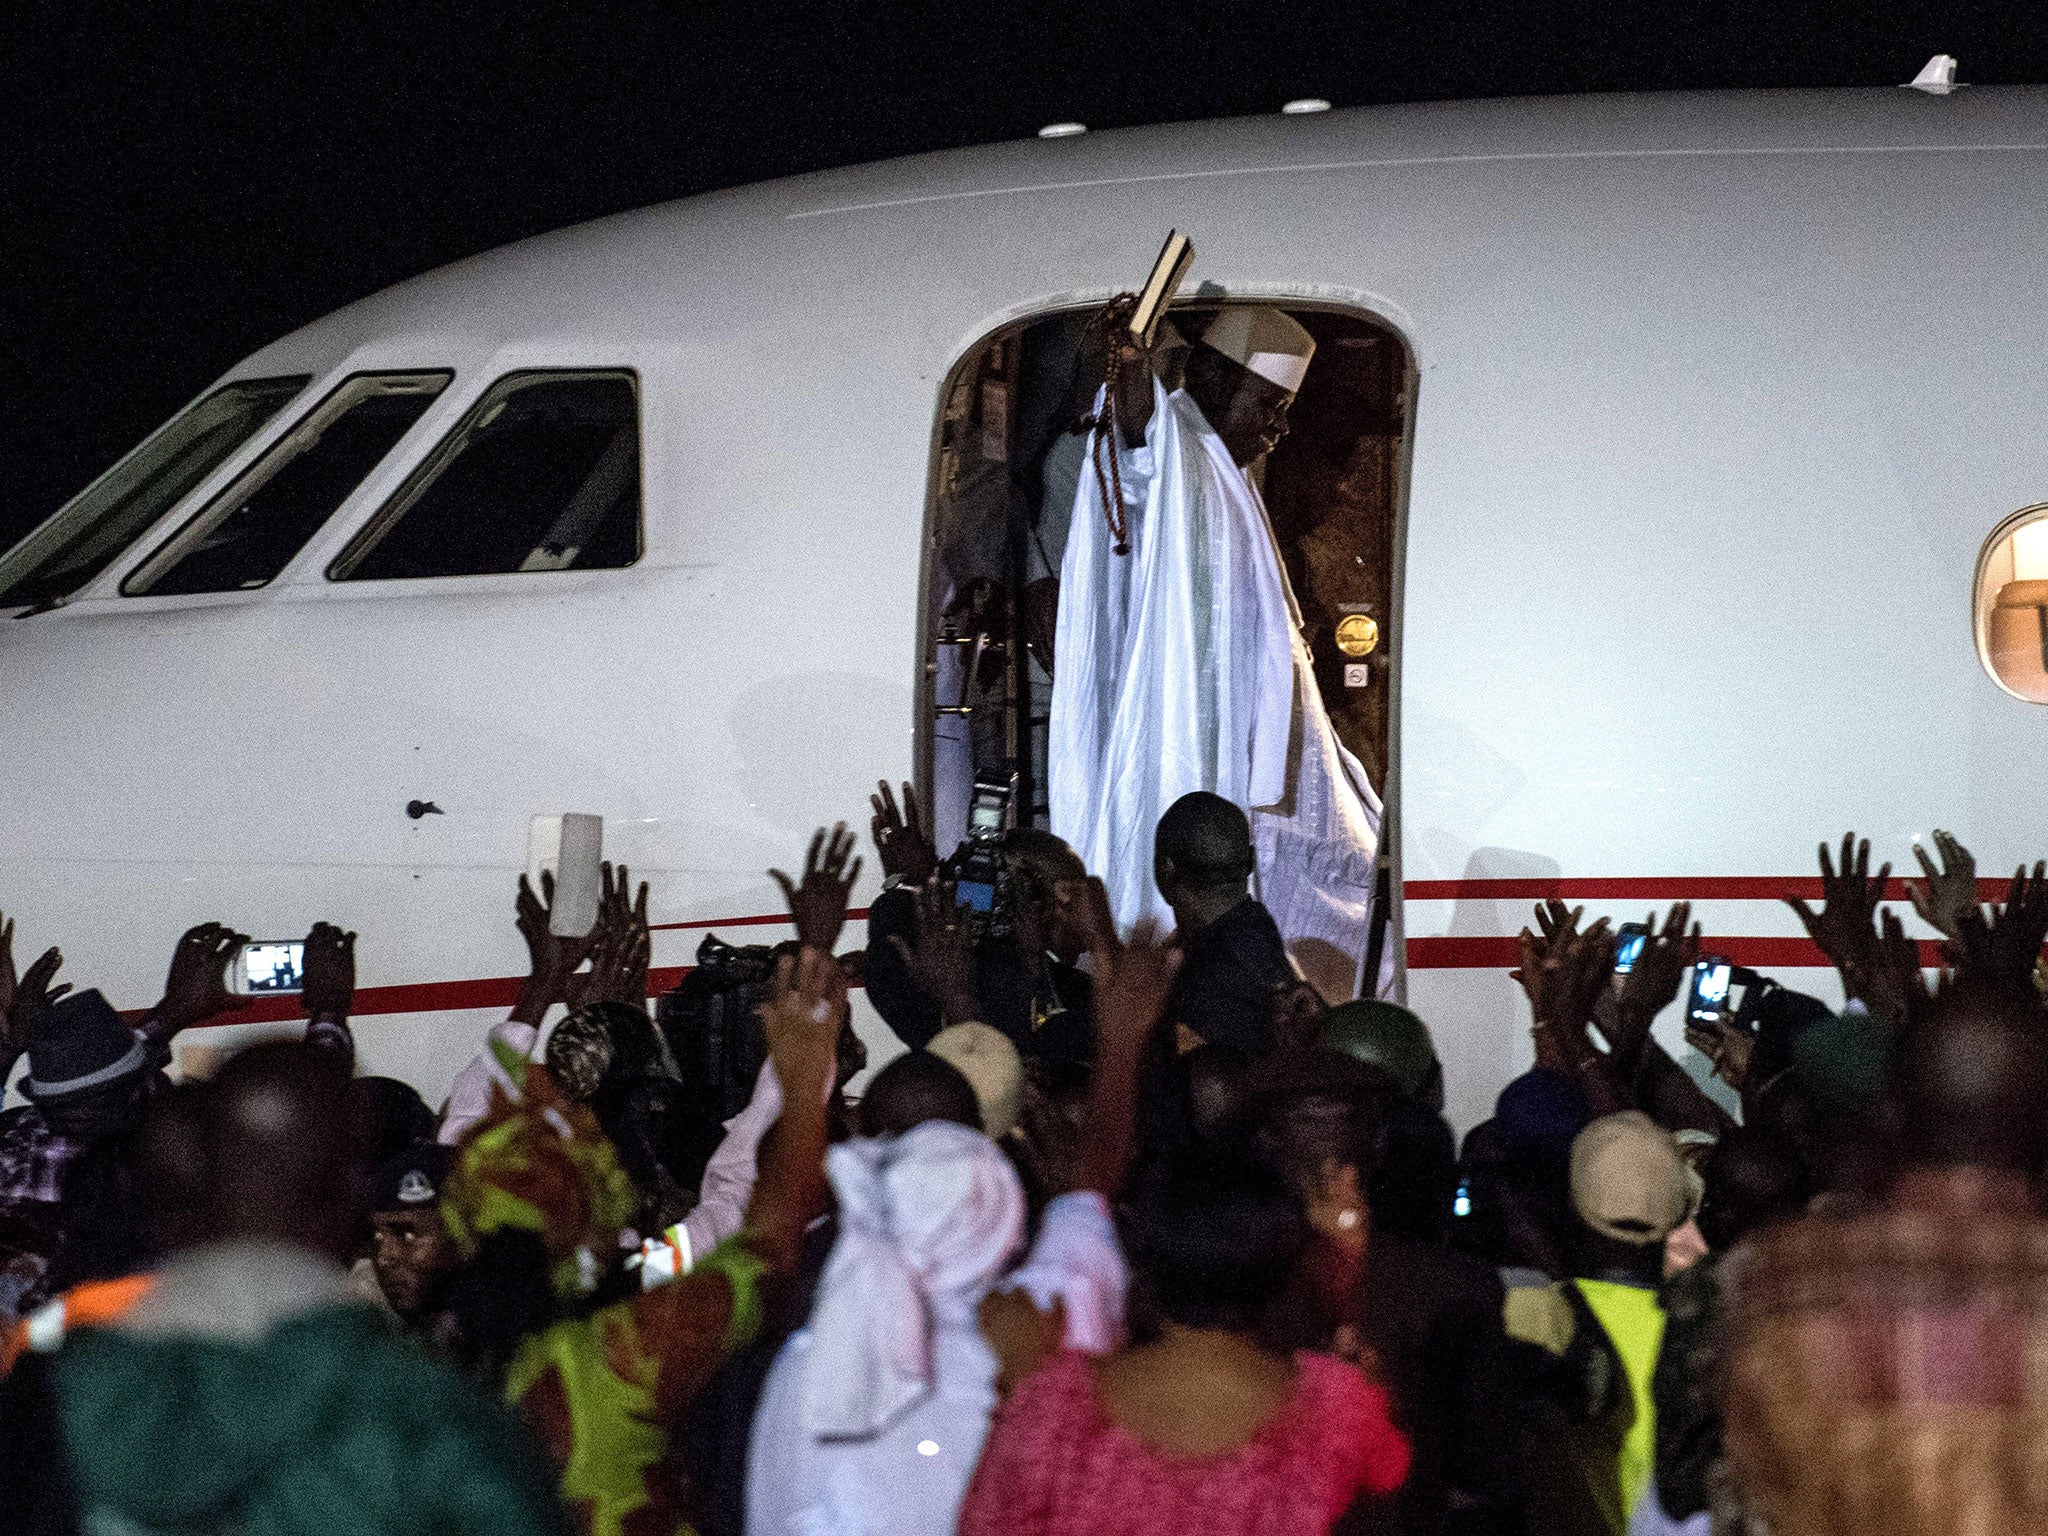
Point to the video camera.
(979, 873)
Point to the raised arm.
(1659, 1085)
(1563, 972)
(23, 997)
(1132, 981)
(327, 991)
(197, 987)
(551, 959)
(817, 904)
(551, 963)
(802, 1019)
(1845, 928)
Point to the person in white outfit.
(1181, 664)
(875, 1412)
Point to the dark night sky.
(190, 181)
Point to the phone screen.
(274, 967)
(1632, 940)
(978, 894)
(1710, 984)
(987, 813)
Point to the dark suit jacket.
(1229, 980)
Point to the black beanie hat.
(411, 1180)
(80, 1043)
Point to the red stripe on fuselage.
(1454, 952)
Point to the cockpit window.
(542, 475)
(2012, 605)
(250, 531)
(110, 514)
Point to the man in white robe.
(1181, 664)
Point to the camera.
(979, 873)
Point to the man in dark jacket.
(1234, 959)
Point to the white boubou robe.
(1181, 666)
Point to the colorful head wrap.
(538, 1163)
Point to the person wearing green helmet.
(1388, 1036)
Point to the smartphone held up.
(268, 968)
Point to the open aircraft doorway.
(1009, 451)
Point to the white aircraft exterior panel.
(1718, 398)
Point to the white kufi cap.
(1266, 341)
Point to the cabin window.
(2012, 605)
(251, 531)
(82, 540)
(542, 475)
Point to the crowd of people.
(1137, 1234)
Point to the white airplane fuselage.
(1718, 399)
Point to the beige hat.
(1263, 340)
(992, 1068)
(1628, 1181)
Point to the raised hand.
(328, 987)
(626, 961)
(1727, 1049)
(1845, 929)
(197, 987)
(1947, 897)
(1565, 977)
(1132, 980)
(551, 960)
(620, 946)
(32, 996)
(2005, 946)
(1555, 920)
(802, 1018)
(818, 905)
(938, 954)
(902, 842)
(1897, 985)
(7, 975)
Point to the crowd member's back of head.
(1752, 1180)
(138, 1197)
(1970, 1083)
(1630, 1191)
(917, 1086)
(1318, 1115)
(1202, 857)
(1517, 1167)
(284, 1148)
(396, 1115)
(1213, 1238)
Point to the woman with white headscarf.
(874, 1414)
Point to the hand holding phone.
(1631, 937)
(1708, 1002)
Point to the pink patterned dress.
(1057, 1465)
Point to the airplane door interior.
(1010, 449)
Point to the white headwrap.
(927, 1220)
